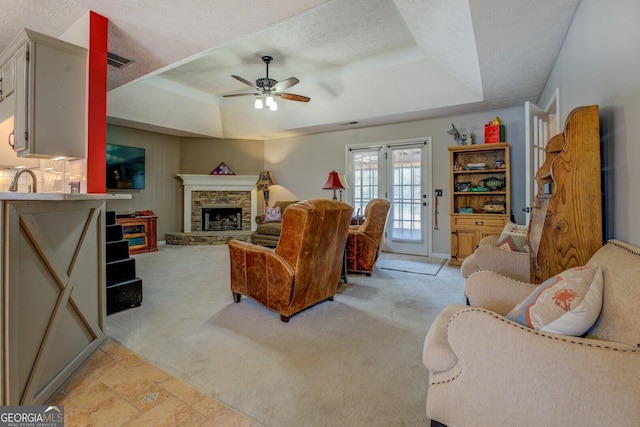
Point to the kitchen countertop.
(62, 196)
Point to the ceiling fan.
(267, 88)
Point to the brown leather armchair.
(305, 266)
(363, 241)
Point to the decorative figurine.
(464, 137)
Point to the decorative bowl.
(463, 186)
(493, 183)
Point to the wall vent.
(117, 60)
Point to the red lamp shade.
(333, 183)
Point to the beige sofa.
(268, 234)
(488, 256)
(486, 370)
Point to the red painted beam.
(97, 104)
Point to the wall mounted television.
(125, 167)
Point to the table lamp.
(343, 181)
(334, 183)
(265, 180)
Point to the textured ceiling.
(300, 45)
(427, 58)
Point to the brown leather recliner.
(363, 241)
(305, 266)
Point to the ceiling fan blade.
(240, 94)
(247, 82)
(293, 97)
(285, 84)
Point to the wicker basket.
(494, 207)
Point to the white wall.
(599, 63)
(301, 164)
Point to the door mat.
(411, 263)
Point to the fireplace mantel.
(192, 183)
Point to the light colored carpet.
(354, 361)
(410, 263)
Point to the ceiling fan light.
(273, 106)
(258, 104)
(269, 101)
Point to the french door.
(407, 189)
(399, 172)
(540, 126)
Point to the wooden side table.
(140, 232)
(357, 220)
(343, 272)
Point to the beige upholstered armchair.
(488, 256)
(487, 370)
(305, 266)
(363, 242)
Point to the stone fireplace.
(221, 218)
(213, 205)
(215, 209)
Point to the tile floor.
(118, 388)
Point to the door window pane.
(365, 177)
(406, 192)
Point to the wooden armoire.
(565, 229)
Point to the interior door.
(408, 190)
(534, 152)
(540, 126)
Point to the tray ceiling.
(365, 61)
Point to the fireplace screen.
(221, 219)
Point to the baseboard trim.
(437, 255)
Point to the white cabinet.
(8, 157)
(49, 96)
(7, 79)
(21, 115)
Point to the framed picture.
(222, 169)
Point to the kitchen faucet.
(14, 183)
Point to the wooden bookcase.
(470, 218)
(140, 232)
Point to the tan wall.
(167, 156)
(162, 193)
(202, 155)
(301, 163)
